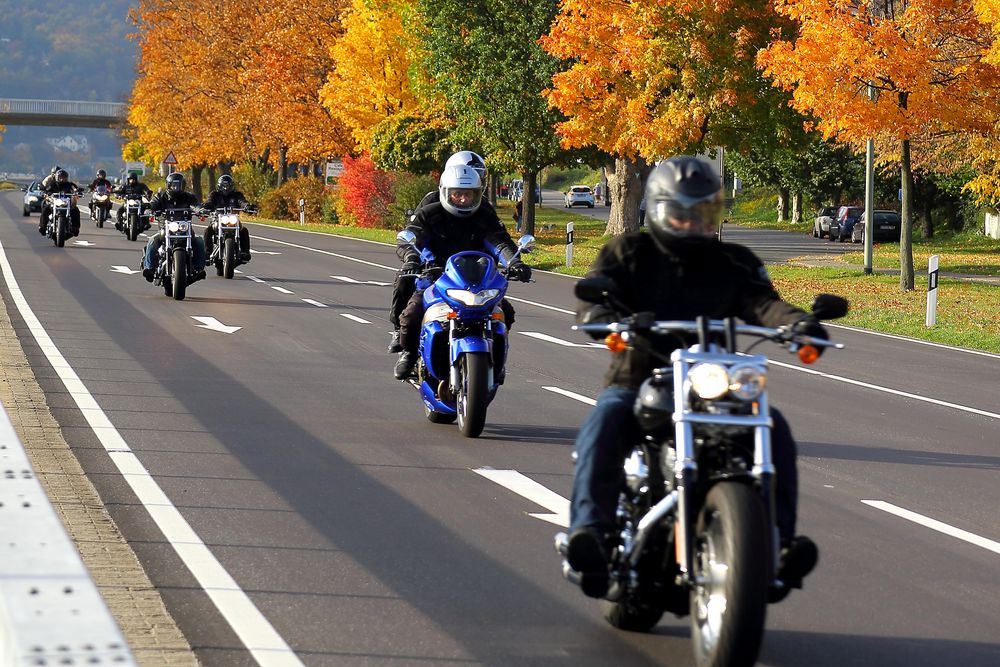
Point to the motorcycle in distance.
(696, 531)
(226, 253)
(463, 338)
(175, 270)
(60, 222)
(100, 204)
(136, 219)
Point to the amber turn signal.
(615, 343)
(808, 354)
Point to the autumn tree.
(926, 60)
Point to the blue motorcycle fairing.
(470, 344)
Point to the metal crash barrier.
(51, 612)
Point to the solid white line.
(282, 290)
(533, 491)
(355, 318)
(570, 394)
(254, 630)
(558, 341)
(887, 390)
(934, 524)
(316, 303)
(541, 305)
(914, 340)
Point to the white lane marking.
(558, 341)
(327, 252)
(123, 269)
(347, 279)
(541, 305)
(83, 243)
(254, 630)
(256, 279)
(887, 390)
(316, 303)
(264, 252)
(355, 318)
(213, 324)
(570, 394)
(282, 290)
(914, 340)
(533, 491)
(934, 524)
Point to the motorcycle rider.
(226, 196)
(59, 183)
(99, 180)
(173, 196)
(402, 287)
(677, 271)
(456, 223)
(51, 178)
(133, 187)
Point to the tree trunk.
(493, 182)
(796, 207)
(282, 165)
(928, 227)
(782, 207)
(211, 176)
(906, 216)
(528, 202)
(625, 190)
(196, 183)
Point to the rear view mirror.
(406, 237)
(829, 307)
(526, 243)
(597, 289)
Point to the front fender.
(462, 346)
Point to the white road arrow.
(123, 269)
(533, 491)
(213, 324)
(83, 243)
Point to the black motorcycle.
(60, 222)
(226, 253)
(175, 269)
(696, 529)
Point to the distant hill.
(66, 49)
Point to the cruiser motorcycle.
(226, 253)
(100, 204)
(136, 217)
(175, 269)
(60, 221)
(696, 531)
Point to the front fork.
(454, 377)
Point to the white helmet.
(460, 190)
(468, 159)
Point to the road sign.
(170, 159)
(334, 168)
(137, 168)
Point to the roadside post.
(569, 244)
(302, 211)
(932, 283)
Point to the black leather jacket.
(165, 199)
(140, 189)
(217, 199)
(445, 234)
(719, 280)
(56, 186)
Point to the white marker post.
(569, 244)
(932, 283)
(302, 211)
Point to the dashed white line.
(355, 318)
(934, 524)
(316, 303)
(570, 394)
(281, 289)
(256, 279)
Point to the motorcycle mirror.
(597, 289)
(408, 213)
(526, 243)
(829, 307)
(406, 237)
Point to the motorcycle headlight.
(473, 298)
(176, 227)
(747, 382)
(32, 199)
(709, 381)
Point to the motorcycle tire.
(60, 236)
(132, 231)
(100, 217)
(179, 276)
(473, 394)
(631, 619)
(732, 556)
(229, 257)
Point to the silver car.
(579, 195)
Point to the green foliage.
(562, 179)
(407, 192)
(283, 203)
(408, 143)
(253, 180)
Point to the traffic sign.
(170, 159)
(334, 168)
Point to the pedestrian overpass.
(61, 113)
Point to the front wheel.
(229, 257)
(60, 237)
(473, 394)
(133, 227)
(729, 602)
(27, 211)
(101, 216)
(179, 277)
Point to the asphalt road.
(364, 535)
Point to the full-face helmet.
(461, 190)
(468, 159)
(683, 201)
(175, 182)
(225, 184)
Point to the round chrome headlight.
(709, 381)
(747, 382)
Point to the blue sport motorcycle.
(463, 336)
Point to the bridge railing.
(62, 108)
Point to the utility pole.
(869, 193)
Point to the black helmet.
(55, 169)
(132, 178)
(175, 182)
(225, 184)
(62, 176)
(683, 201)
(101, 173)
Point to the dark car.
(887, 226)
(821, 224)
(843, 224)
(33, 198)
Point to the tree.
(926, 58)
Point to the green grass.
(974, 254)
(7, 185)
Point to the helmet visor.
(464, 199)
(699, 219)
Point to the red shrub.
(365, 192)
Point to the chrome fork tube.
(685, 471)
(763, 470)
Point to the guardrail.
(62, 108)
(51, 612)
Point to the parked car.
(515, 191)
(843, 224)
(821, 224)
(887, 227)
(579, 195)
(33, 198)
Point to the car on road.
(887, 226)
(821, 224)
(843, 224)
(579, 195)
(33, 198)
